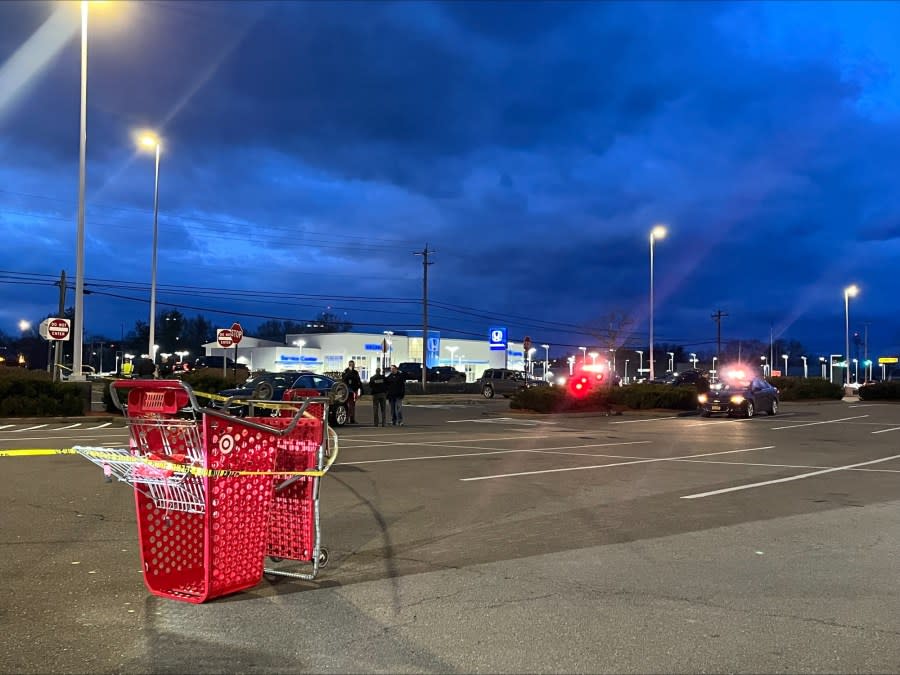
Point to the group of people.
(386, 389)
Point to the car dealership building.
(331, 352)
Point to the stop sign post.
(237, 334)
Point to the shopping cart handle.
(154, 396)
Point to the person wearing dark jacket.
(396, 390)
(378, 385)
(351, 378)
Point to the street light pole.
(151, 141)
(640, 353)
(78, 329)
(785, 357)
(805, 370)
(851, 290)
(671, 361)
(658, 232)
(583, 355)
(546, 360)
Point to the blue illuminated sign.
(497, 338)
(372, 346)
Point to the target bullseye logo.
(226, 444)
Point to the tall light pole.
(583, 355)
(626, 371)
(850, 292)
(78, 328)
(805, 370)
(658, 232)
(831, 358)
(764, 365)
(150, 141)
(300, 344)
(640, 354)
(824, 370)
(594, 356)
(452, 351)
(715, 360)
(671, 361)
(546, 360)
(694, 360)
(785, 357)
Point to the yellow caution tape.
(113, 456)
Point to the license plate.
(715, 408)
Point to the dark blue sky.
(311, 148)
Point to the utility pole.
(866, 352)
(425, 252)
(717, 317)
(57, 357)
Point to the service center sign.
(497, 338)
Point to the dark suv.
(505, 382)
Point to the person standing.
(396, 390)
(378, 385)
(351, 378)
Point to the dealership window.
(334, 363)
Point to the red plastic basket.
(199, 556)
(293, 520)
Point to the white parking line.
(737, 488)
(503, 420)
(100, 426)
(884, 431)
(811, 424)
(71, 426)
(490, 451)
(5, 426)
(649, 419)
(36, 426)
(862, 405)
(607, 466)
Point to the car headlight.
(737, 399)
(561, 381)
(702, 398)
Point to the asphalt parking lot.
(475, 539)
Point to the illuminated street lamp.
(593, 356)
(671, 361)
(765, 365)
(583, 355)
(785, 357)
(531, 360)
(824, 371)
(641, 362)
(571, 362)
(856, 370)
(546, 359)
(715, 360)
(24, 325)
(452, 351)
(150, 141)
(658, 232)
(299, 344)
(850, 292)
(805, 370)
(694, 360)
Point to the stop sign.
(58, 329)
(224, 337)
(237, 333)
(526, 343)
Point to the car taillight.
(702, 398)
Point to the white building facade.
(331, 352)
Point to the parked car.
(744, 397)
(261, 387)
(445, 374)
(412, 371)
(506, 382)
(311, 384)
(11, 359)
(691, 377)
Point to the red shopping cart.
(294, 531)
(203, 484)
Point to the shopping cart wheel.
(275, 559)
(323, 557)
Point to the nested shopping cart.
(204, 485)
(294, 529)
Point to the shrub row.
(806, 389)
(32, 393)
(880, 391)
(635, 396)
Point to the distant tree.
(612, 330)
(271, 330)
(325, 322)
(195, 333)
